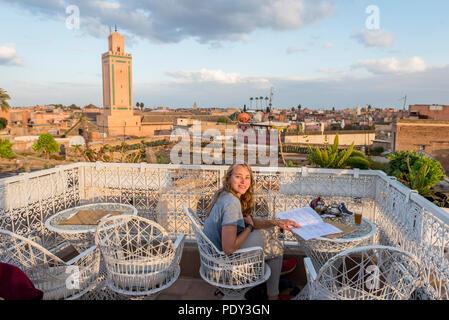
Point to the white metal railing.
(404, 218)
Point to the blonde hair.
(246, 199)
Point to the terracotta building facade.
(430, 136)
(432, 112)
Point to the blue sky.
(318, 53)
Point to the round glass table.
(321, 249)
(82, 236)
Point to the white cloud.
(340, 90)
(8, 55)
(294, 14)
(217, 76)
(204, 21)
(394, 65)
(329, 45)
(107, 5)
(375, 38)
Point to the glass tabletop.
(365, 228)
(53, 222)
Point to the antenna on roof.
(115, 28)
(405, 101)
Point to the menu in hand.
(312, 225)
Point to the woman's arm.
(285, 224)
(230, 241)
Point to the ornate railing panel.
(404, 219)
(27, 200)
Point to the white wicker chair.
(232, 274)
(49, 273)
(140, 258)
(364, 273)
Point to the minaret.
(117, 76)
(118, 115)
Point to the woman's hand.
(249, 220)
(287, 224)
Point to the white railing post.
(81, 182)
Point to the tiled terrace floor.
(190, 286)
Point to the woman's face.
(240, 180)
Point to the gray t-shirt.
(226, 211)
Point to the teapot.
(334, 209)
(320, 207)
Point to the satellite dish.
(76, 140)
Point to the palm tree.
(257, 99)
(261, 101)
(142, 105)
(77, 148)
(88, 155)
(251, 102)
(123, 150)
(138, 104)
(266, 101)
(3, 97)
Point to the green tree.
(162, 159)
(415, 170)
(74, 107)
(77, 148)
(5, 149)
(4, 106)
(46, 144)
(224, 120)
(3, 123)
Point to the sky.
(219, 53)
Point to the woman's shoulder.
(227, 197)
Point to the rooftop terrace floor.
(190, 286)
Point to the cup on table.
(357, 218)
(358, 209)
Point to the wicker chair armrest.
(310, 270)
(179, 245)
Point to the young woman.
(230, 224)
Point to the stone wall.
(430, 136)
(359, 139)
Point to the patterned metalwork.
(55, 277)
(140, 258)
(402, 218)
(364, 273)
(320, 250)
(232, 274)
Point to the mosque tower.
(118, 115)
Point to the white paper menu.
(312, 225)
